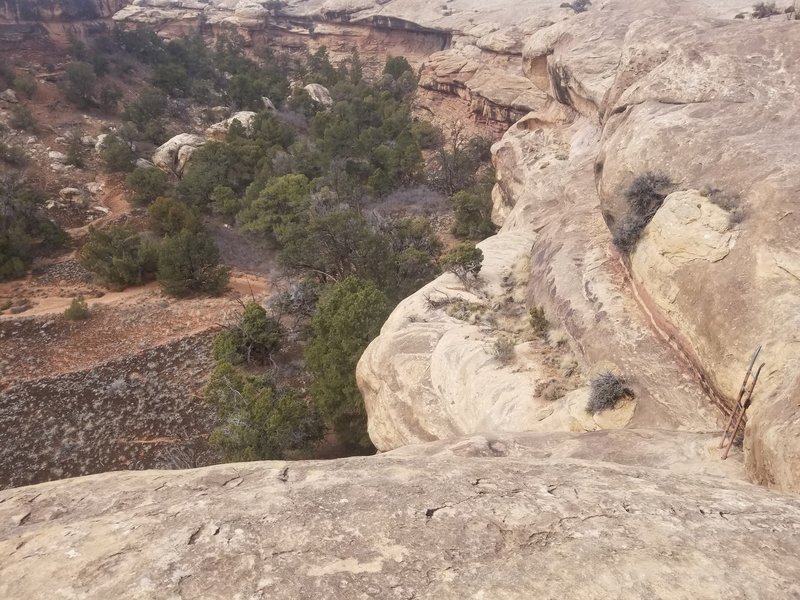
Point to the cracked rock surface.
(487, 517)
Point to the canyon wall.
(629, 88)
(18, 11)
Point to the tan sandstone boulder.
(174, 153)
(218, 131)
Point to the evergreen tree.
(349, 315)
(188, 262)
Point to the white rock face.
(220, 130)
(101, 139)
(319, 94)
(9, 96)
(143, 163)
(173, 154)
(626, 95)
(56, 157)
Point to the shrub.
(116, 155)
(12, 154)
(109, 96)
(171, 78)
(226, 347)
(189, 263)
(606, 391)
(22, 118)
(473, 215)
(117, 256)
(257, 336)
(730, 203)
(151, 104)
(580, 6)
(644, 197)
(78, 310)
(503, 350)
(79, 84)
(538, 321)
(75, 150)
(24, 231)
(762, 10)
(261, 334)
(349, 315)
(464, 261)
(147, 184)
(396, 66)
(260, 422)
(456, 163)
(224, 201)
(167, 216)
(26, 84)
(428, 136)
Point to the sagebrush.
(607, 390)
(644, 197)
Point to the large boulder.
(219, 130)
(319, 94)
(174, 154)
(623, 515)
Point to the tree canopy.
(349, 315)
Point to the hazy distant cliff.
(16, 11)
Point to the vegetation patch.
(465, 262)
(25, 232)
(78, 310)
(503, 350)
(607, 390)
(644, 197)
(763, 10)
(538, 321)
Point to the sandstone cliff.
(711, 104)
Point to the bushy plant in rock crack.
(607, 390)
(644, 197)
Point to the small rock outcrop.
(175, 153)
(219, 130)
(9, 96)
(319, 94)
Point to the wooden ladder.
(742, 402)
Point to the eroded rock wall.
(629, 88)
(713, 105)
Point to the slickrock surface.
(480, 517)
